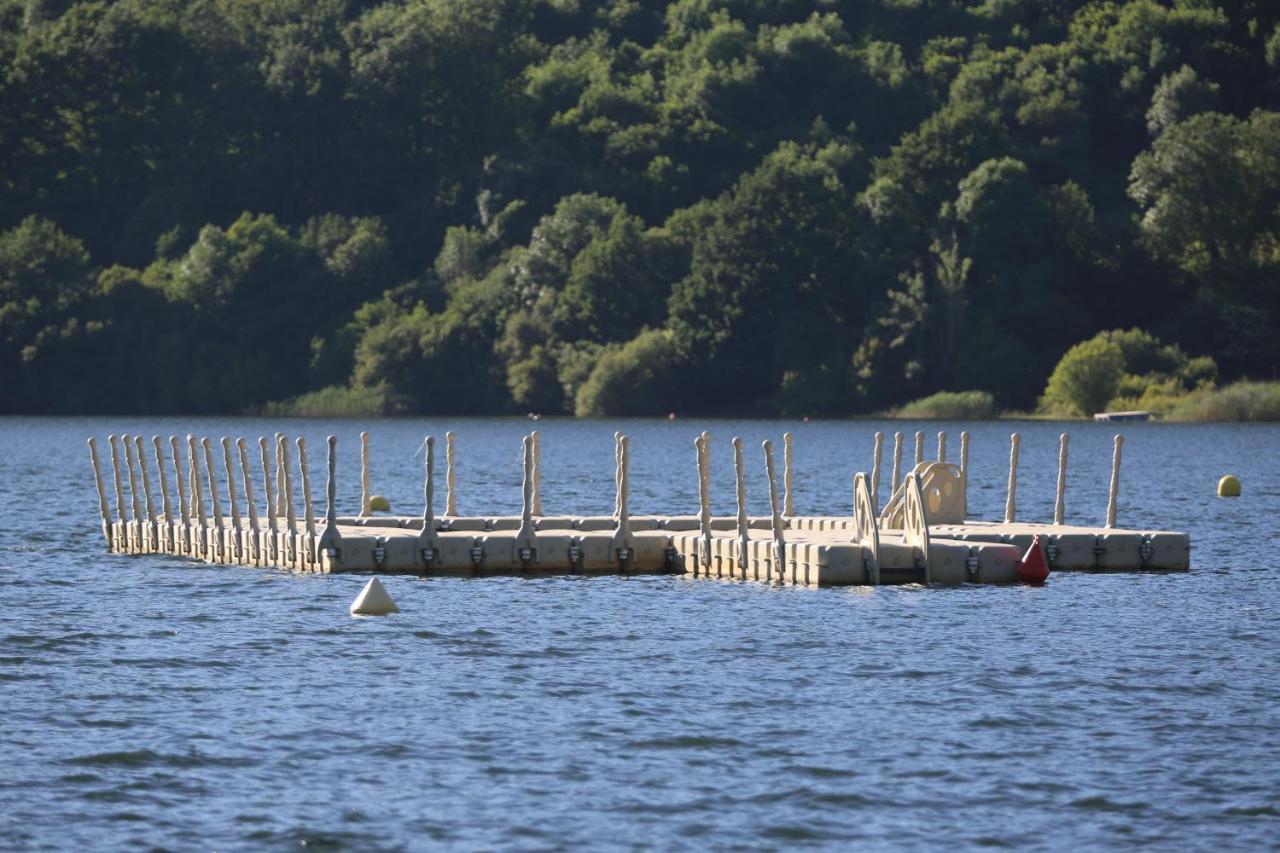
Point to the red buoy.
(1033, 567)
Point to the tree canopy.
(602, 206)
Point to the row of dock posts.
(182, 523)
(188, 520)
(194, 524)
(741, 550)
(198, 528)
(1015, 442)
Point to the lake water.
(151, 702)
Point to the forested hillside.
(713, 206)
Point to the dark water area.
(153, 702)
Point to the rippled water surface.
(152, 702)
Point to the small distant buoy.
(1229, 486)
(805, 419)
(671, 416)
(373, 600)
(377, 503)
(1033, 568)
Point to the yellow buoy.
(377, 503)
(1229, 486)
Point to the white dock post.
(897, 464)
(537, 473)
(919, 447)
(428, 540)
(366, 499)
(103, 507)
(273, 529)
(875, 470)
(1114, 492)
(942, 446)
(330, 541)
(135, 529)
(165, 503)
(1060, 501)
(1011, 502)
(704, 502)
(331, 488)
(964, 454)
(237, 530)
(623, 546)
(279, 476)
(219, 535)
(183, 543)
(152, 539)
(198, 539)
(744, 525)
(290, 512)
(788, 505)
(255, 537)
(450, 478)
(309, 558)
(523, 545)
(707, 475)
(779, 567)
(617, 474)
(429, 487)
(124, 539)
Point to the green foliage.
(1147, 359)
(950, 405)
(1179, 96)
(481, 205)
(1085, 379)
(638, 378)
(771, 279)
(1239, 401)
(337, 402)
(1208, 190)
(1125, 370)
(44, 277)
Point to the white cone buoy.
(373, 600)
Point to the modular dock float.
(921, 535)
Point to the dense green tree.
(772, 283)
(1209, 189)
(1179, 96)
(638, 378)
(1124, 369)
(44, 278)
(494, 205)
(1085, 379)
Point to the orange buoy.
(1033, 567)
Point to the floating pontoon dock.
(922, 534)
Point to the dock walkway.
(922, 535)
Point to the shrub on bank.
(951, 405)
(1124, 370)
(338, 401)
(1085, 379)
(634, 379)
(1240, 401)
